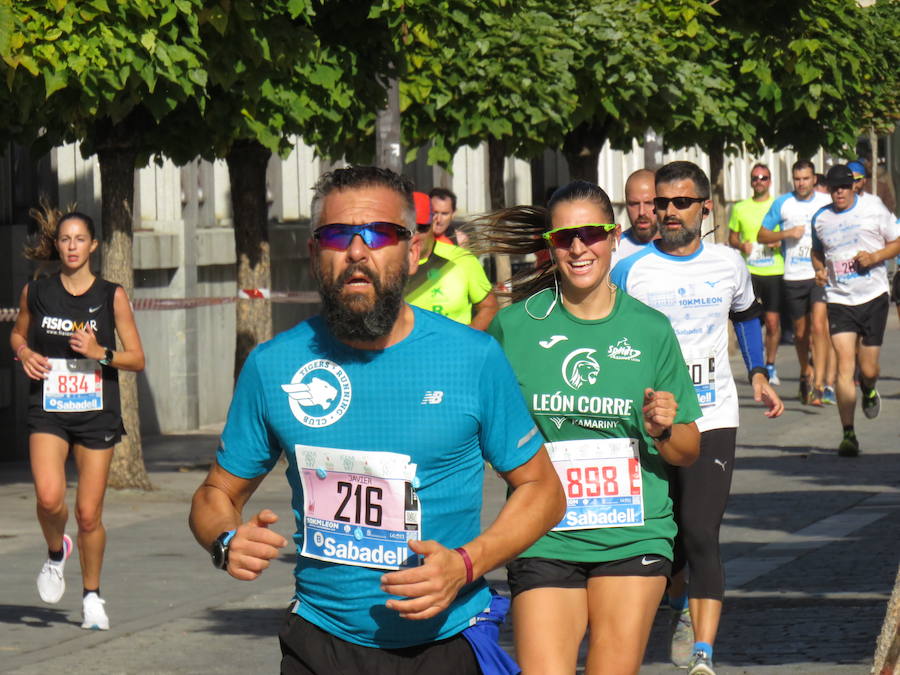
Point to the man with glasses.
(640, 189)
(765, 263)
(851, 239)
(700, 287)
(788, 223)
(385, 450)
(449, 280)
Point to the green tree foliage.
(103, 73)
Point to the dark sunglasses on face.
(563, 237)
(755, 179)
(337, 236)
(422, 228)
(681, 203)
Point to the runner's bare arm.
(766, 236)
(818, 262)
(36, 366)
(681, 448)
(872, 258)
(217, 507)
(535, 505)
(484, 312)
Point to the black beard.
(678, 238)
(350, 320)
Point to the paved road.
(810, 540)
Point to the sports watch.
(107, 357)
(219, 550)
(664, 436)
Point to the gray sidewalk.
(810, 540)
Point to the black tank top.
(55, 315)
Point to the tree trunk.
(247, 162)
(581, 149)
(717, 184)
(117, 162)
(496, 161)
(388, 153)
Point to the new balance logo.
(432, 397)
(546, 344)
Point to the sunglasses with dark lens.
(562, 237)
(758, 178)
(422, 228)
(337, 236)
(681, 203)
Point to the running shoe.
(681, 629)
(51, 582)
(774, 380)
(828, 396)
(815, 397)
(871, 403)
(94, 615)
(849, 446)
(700, 664)
(805, 390)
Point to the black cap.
(839, 175)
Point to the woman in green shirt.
(605, 380)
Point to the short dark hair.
(820, 179)
(444, 193)
(682, 170)
(353, 177)
(803, 164)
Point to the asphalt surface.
(811, 542)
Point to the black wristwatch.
(664, 436)
(219, 550)
(107, 357)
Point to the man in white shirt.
(852, 239)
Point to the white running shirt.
(786, 212)
(696, 293)
(865, 226)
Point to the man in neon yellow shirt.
(449, 279)
(765, 263)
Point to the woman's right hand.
(36, 366)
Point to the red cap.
(423, 208)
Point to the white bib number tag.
(842, 270)
(602, 480)
(702, 370)
(761, 256)
(360, 508)
(801, 254)
(73, 385)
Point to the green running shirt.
(584, 382)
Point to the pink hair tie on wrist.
(467, 561)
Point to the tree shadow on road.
(35, 616)
(263, 622)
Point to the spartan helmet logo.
(580, 367)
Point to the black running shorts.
(867, 320)
(525, 574)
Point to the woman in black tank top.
(65, 339)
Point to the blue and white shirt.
(304, 393)
(696, 292)
(839, 236)
(788, 211)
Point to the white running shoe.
(94, 615)
(51, 582)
